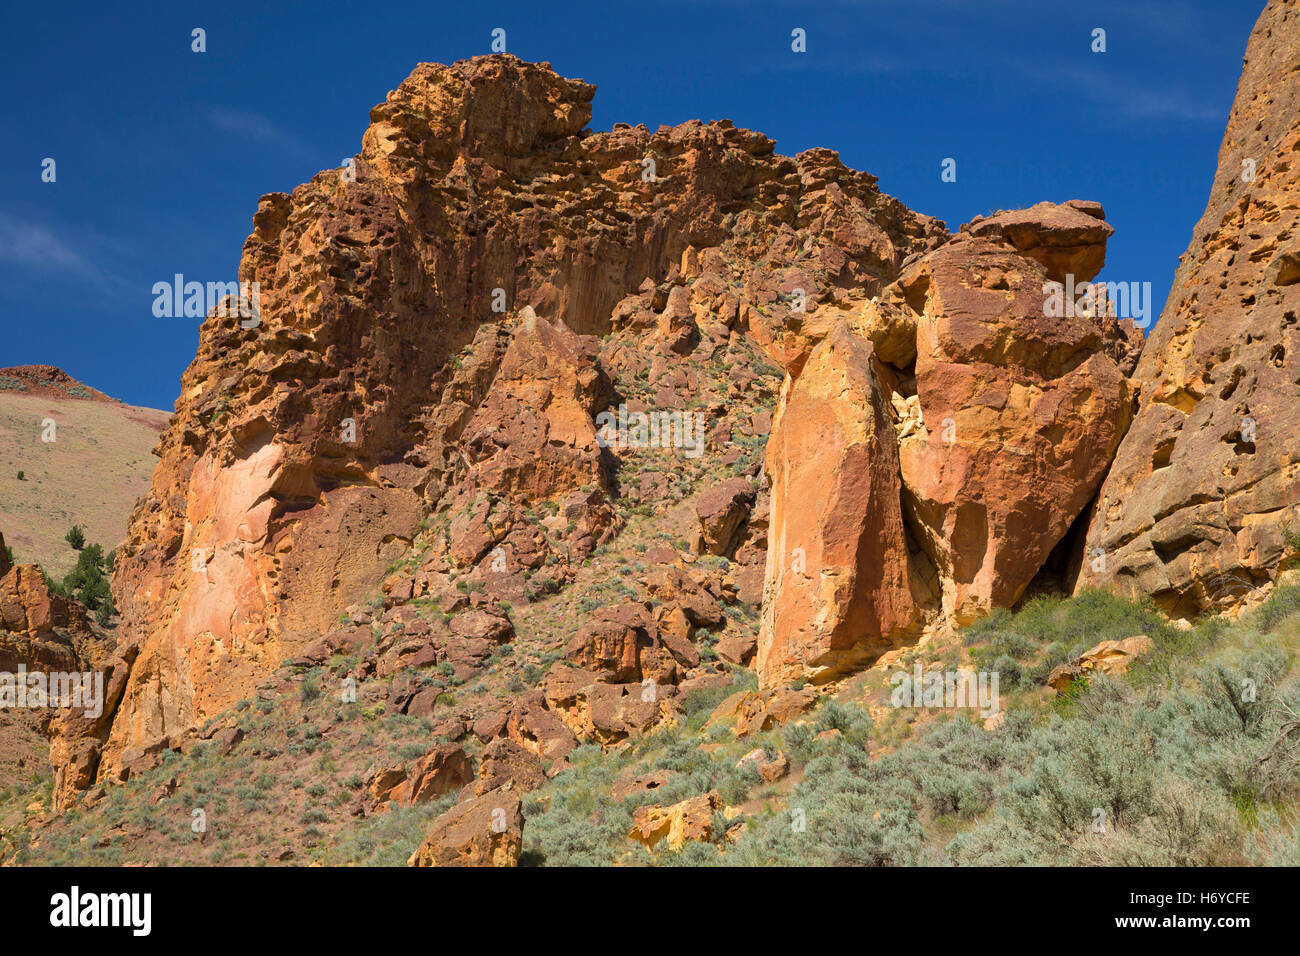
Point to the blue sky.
(162, 153)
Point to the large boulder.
(691, 819)
(46, 624)
(839, 587)
(721, 511)
(1196, 505)
(1111, 658)
(612, 642)
(932, 450)
(483, 831)
(1068, 239)
(1017, 413)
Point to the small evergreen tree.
(76, 537)
(88, 582)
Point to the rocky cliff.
(421, 348)
(453, 328)
(1196, 506)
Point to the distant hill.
(91, 474)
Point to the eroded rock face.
(423, 344)
(40, 631)
(1195, 506)
(691, 819)
(45, 625)
(1111, 658)
(721, 511)
(1066, 239)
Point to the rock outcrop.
(691, 819)
(1204, 486)
(38, 629)
(1018, 412)
(721, 511)
(934, 447)
(422, 344)
(483, 831)
(41, 631)
(1111, 658)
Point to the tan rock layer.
(1195, 508)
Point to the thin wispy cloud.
(33, 246)
(1127, 98)
(256, 129)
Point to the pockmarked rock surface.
(425, 343)
(1111, 658)
(1018, 412)
(691, 819)
(1195, 508)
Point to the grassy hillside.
(1173, 765)
(91, 475)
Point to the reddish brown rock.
(674, 586)
(721, 511)
(611, 643)
(384, 784)
(1016, 415)
(754, 712)
(443, 769)
(537, 729)
(483, 625)
(676, 632)
(77, 735)
(1003, 416)
(1065, 239)
(507, 764)
(738, 648)
(468, 656)
(484, 831)
(490, 726)
(386, 375)
(46, 624)
(1195, 507)
(606, 713)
